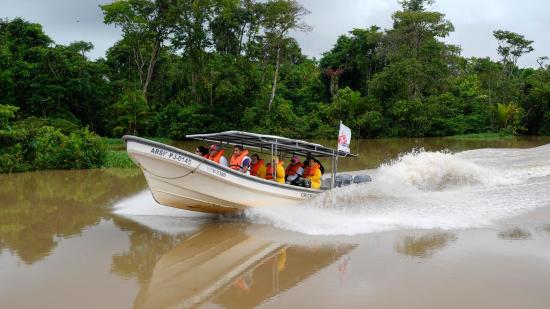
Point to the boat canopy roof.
(268, 142)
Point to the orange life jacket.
(310, 170)
(254, 168)
(217, 157)
(236, 162)
(292, 170)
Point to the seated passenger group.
(307, 174)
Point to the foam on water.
(143, 209)
(143, 204)
(425, 190)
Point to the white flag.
(344, 138)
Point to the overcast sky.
(73, 20)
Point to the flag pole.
(335, 169)
(335, 160)
(337, 151)
(332, 179)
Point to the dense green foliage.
(185, 67)
(118, 159)
(35, 143)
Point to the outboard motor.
(346, 179)
(343, 180)
(362, 179)
(338, 181)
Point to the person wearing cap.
(216, 155)
(294, 170)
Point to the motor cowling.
(343, 180)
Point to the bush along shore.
(234, 65)
(39, 144)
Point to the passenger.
(280, 170)
(312, 174)
(257, 166)
(294, 171)
(239, 160)
(216, 155)
(321, 167)
(202, 151)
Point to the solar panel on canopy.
(265, 142)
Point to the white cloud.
(66, 21)
(474, 21)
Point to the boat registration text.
(215, 171)
(170, 155)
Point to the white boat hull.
(180, 179)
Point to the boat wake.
(143, 209)
(426, 190)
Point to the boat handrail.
(261, 141)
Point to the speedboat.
(181, 179)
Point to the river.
(446, 223)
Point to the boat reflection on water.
(424, 246)
(515, 234)
(224, 265)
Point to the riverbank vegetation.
(185, 67)
(37, 143)
(118, 159)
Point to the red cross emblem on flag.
(342, 139)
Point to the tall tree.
(48, 80)
(415, 5)
(22, 46)
(417, 61)
(281, 16)
(147, 24)
(414, 26)
(193, 38)
(541, 61)
(357, 57)
(511, 46)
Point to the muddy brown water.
(95, 239)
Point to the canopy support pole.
(274, 168)
(335, 165)
(332, 172)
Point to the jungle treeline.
(190, 66)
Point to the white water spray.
(425, 190)
(143, 209)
